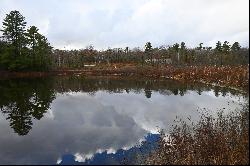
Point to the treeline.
(177, 54)
(23, 48)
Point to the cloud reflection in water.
(83, 124)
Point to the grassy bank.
(223, 140)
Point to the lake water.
(77, 120)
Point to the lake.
(78, 120)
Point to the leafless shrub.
(220, 140)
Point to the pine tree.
(218, 47)
(236, 46)
(43, 52)
(32, 35)
(200, 46)
(14, 31)
(25, 49)
(148, 50)
(226, 47)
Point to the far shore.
(229, 76)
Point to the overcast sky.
(120, 23)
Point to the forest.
(25, 49)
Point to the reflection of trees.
(216, 91)
(182, 91)
(22, 100)
(148, 93)
(19, 118)
(136, 85)
(175, 91)
(199, 91)
(148, 86)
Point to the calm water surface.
(76, 120)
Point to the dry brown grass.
(223, 140)
(231, 76)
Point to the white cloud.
(120, 23)
(82, 157)
(59, 161)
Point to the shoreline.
(234, 77)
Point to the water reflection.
(134, 155)
(22, 100)
(88, 116)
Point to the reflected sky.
(83, 124)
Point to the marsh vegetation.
(213, 140)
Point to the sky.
(76, 24)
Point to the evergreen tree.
(148, 47)
(200, 46)
(236, 46)
(22, 49)
(14, 31)
(43, 52)
(32, 35)
(183, 46)
(40, 49)
(148, 50)
(218, 47)
(226, 47)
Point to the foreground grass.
(223, 140)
